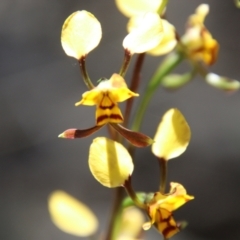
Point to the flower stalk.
(86, 78)
(126, 62)
(163, 174)
(162, 7)
(128, 187)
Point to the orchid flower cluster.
(111, 160)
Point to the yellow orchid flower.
(106, 96)
(198, 41)
(160, 209)
(134, 9)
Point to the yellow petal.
(119, 91)
(168, 42)
(109, 162)
(199, 16)
(172, 136)
(121, 94)
(90, 98)
(165, 223)
(176, 198)
(70, 215)
(135, 7)
(146, 34)
(106, 113)
(81, 33)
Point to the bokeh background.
(39, 86)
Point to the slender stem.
(132, 194)
(134, 86)
(162, 7)
(116, 212)
(84, 73)
(126, 62)
(163, 174)
(165, 68)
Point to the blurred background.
(39, 86)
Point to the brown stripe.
(107, 107)
(111, 116)
(116, 116)
(168, 230)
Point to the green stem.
(163, 174)
(169, 63)
(162, 7)
(126, 62)
(84, 73)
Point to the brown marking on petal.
(107, 107)
(103, 105)
(214, 53)
(167, 231)
(101, 118)
(114, 117)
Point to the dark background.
(39, 86)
